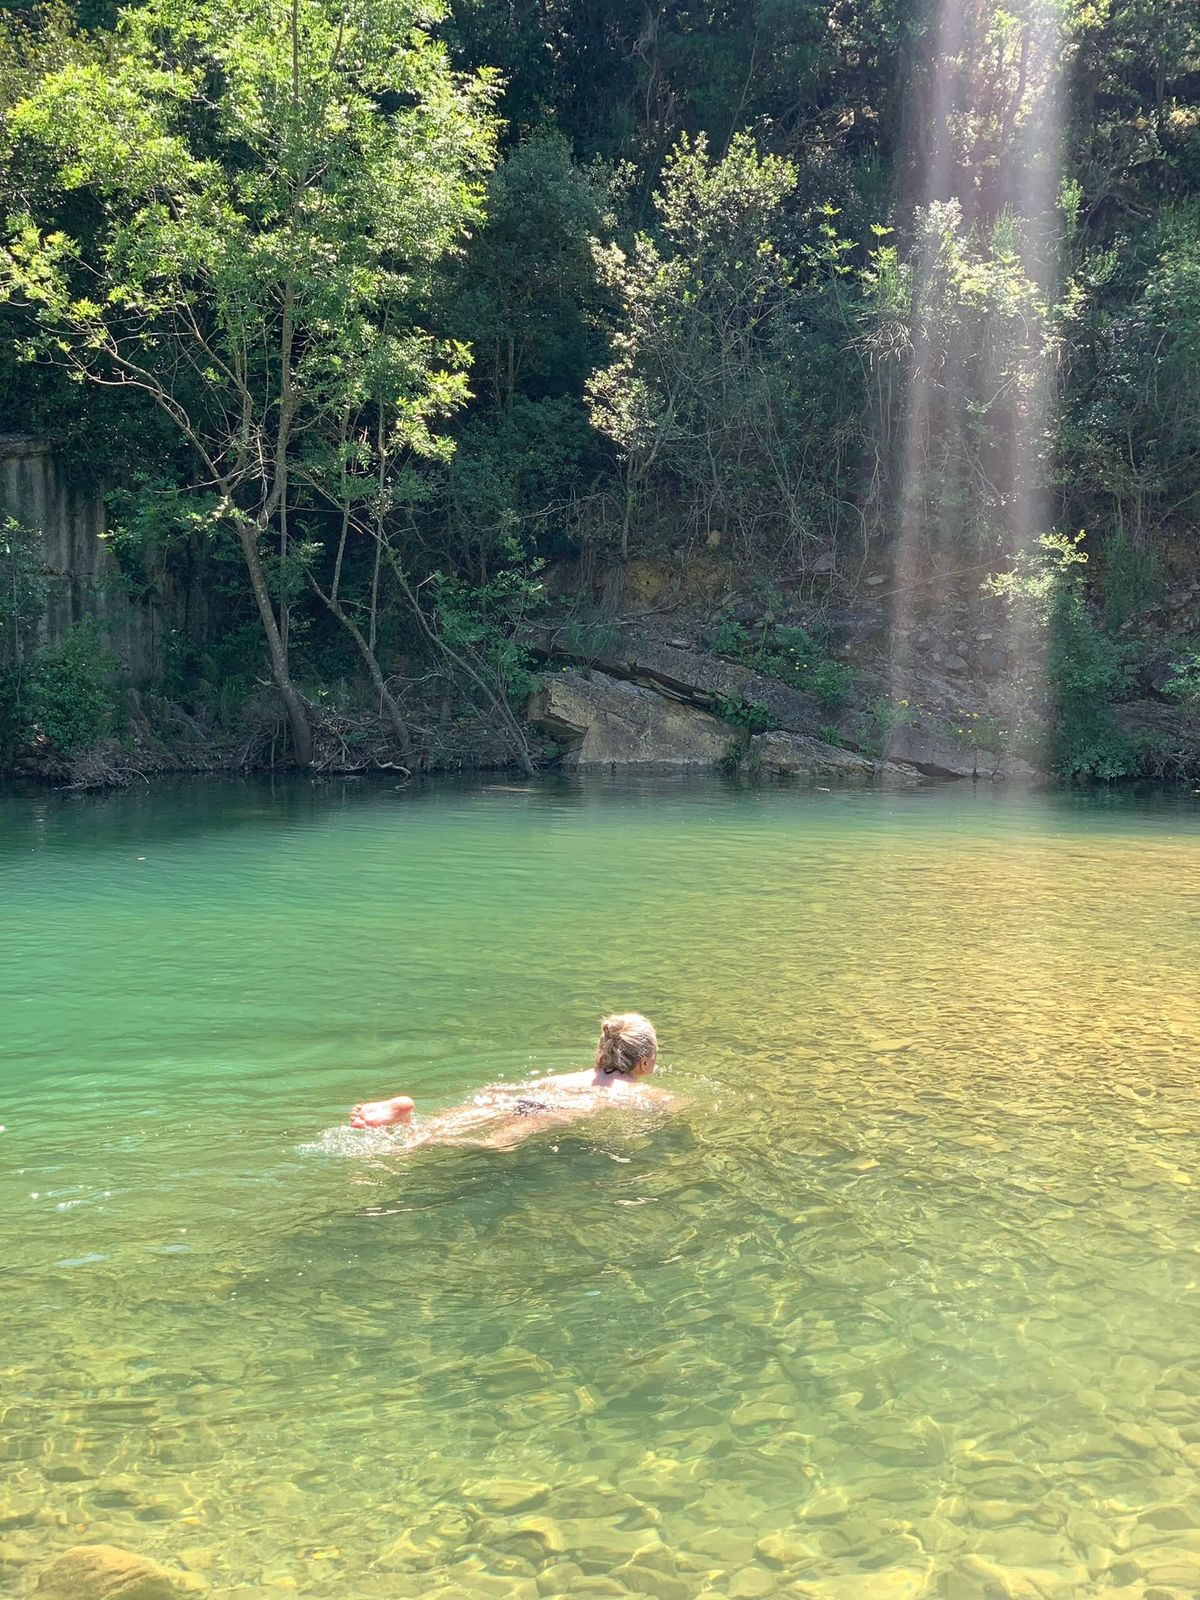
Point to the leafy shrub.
(22, 589)
(733, 639)
(481, 624)
(747, 715)
(586, 637)
(1132, 579)
(71, 703)
(22, 600)
(788, 639)
(832, 682)
(792, 655)
(876, 725)
(1184, 684)
(1085, 669)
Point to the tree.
(269, 191)
(529, 272)
(692, 391)
(1130, 442)
(962, 335)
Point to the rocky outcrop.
(790, 755)
(939, 755)
(671, 667)
(104, 1572)
(82, 576)
(936, 740)
(606, 722)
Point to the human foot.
(379, 1113)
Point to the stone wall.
(83, 577)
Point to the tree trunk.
(520, 745)
(302, 744)
(386, 698)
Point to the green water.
(904, 1302)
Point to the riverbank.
(944, 682)
(678, 667)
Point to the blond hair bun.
(627, 1040)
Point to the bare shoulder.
(567, 1080)
(639, 1095)
(657, 1096)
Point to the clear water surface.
(905, 1302)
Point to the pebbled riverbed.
(903, 1303)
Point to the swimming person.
(501, 1116)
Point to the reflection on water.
(903, 1303)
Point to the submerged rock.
(639, 1579)
(506, 1495)
(12, 1556)
(783, 1550)
(751, 1583)
(105, 1572)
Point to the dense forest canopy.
(373, 308)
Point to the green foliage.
(1085, 669)
(704, 301)
(1132, 579)
(747, 715)
(832, 682)
(526, 279)
(71, 702)
(982, 732)
(1037, 576)
(482, 622)
(1085, 672)
(586, 637)
(267, 194)
(789, 653)
(878, 722)
(733, 639)
(1134, 406)
(23, 591)
(510, 469)
(694, 401)
(960, 326)
(1184, 684)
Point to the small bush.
(746, 715)
(792, 655)
(1184, 684)
(71, 704)
(832, 682)
(1132, 580)
(732, 639)
(876, 726)
(589, 637)
(1086, 672)
(1085, 669)
(790, 640)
